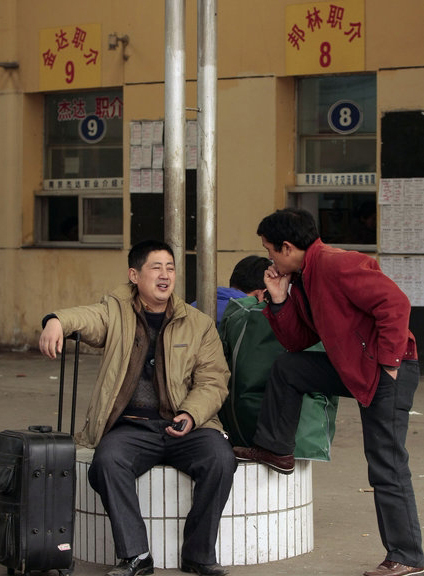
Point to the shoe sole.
(145, 571)
(408, 573)
(142, 572)
(286, 471)
(186, 568)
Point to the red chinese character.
(91, 57)
(64, 111)
(79, 38)
(49, 58)
(355, 31)
(102, 107)
(314, 19)
(78, 108)
(296, 35)
(116, 108)
(61, 40)
(336, 16)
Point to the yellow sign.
(70, 57)
(325, 37)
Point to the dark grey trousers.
(384, 425)
(130, 450)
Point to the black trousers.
(384, 425)
(131, 449)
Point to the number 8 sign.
(345, 117)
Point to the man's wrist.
(270, 300)
(46, 319)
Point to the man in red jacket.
(317, 292)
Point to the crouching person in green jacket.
(162, 380)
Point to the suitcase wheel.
(67, 571)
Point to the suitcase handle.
(43, 429)
(77, 337)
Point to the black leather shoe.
(282, 464)
(133, 567)
(203, 569)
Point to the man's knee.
(105, 462)
(285, 363)
(221, 457)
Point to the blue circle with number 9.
(92, 129)
(345, 117)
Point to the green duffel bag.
(251, 347)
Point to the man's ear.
(287, 247)
(260, 294)
(132, 275)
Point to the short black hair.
(139, 253)
(293, 225)
(248, 274)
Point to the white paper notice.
(135, 181)
(147, 133)
(157, 132)
(191, 157)
(401, 215)
(408, 273)
(135, 129)
(146, 156)
(146, 181)
(157, 161)
(136, 157)
(157, 181)
(191, 133)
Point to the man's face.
(156, 280)
(284, 261)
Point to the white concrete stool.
(268, 516)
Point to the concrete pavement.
(345, 527)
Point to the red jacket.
(360, 315)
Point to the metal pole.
(206, 154)
(174, 152)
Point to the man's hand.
(183, 416)
(51, 339)
(277, 284)
(392, 373)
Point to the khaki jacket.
(195, 367)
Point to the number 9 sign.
(92, 129)
(345, 117)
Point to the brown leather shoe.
(282, 464)
(389, 568)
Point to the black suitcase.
(37, 492)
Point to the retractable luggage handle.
(77, 337)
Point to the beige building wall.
(256, 129)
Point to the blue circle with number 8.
(345, 117)
(92, 129)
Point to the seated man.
(247, 279)
(161, 382)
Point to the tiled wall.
(268, 516)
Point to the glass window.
(337, 124)
(347, 218)
(336, 157)
(81, 200)
(83, 135)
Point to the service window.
(336, 157)
(81, 200)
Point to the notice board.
(401, 203)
